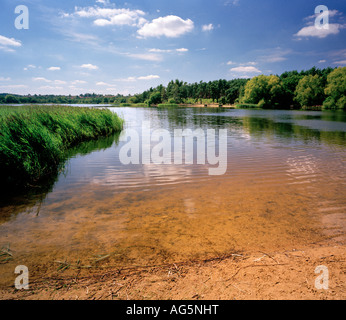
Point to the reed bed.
(34, 140)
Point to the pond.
(283, 188)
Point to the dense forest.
(291, 89)
(88, 98)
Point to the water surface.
(284, 189)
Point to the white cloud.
(322, 61)
(89, 66)
(169, 26)
(145, 56)
(231, 2)
(51, 88)
(133, 79)
(150, 77)
(160, 50)
(312, 31)
(331, 13)
(59, 82)
(230, 63)
(342, 62)
(207, 27)
(78, 82)
(54, 69)
(105, 2)
(81, 37)
(129, 79)
(110, 16)
(168, 50)
(104, 84)
(182, 50)
(41, 79)
(245, 69)
(272, 55)
(30, 66)
(7, 44)
(14, 86)
(5, 79)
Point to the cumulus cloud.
(54, 69)
(89, 66)
(160, 50)
(168, 50)
(133, 79)
(78, 82)
(104, 84)
(150, 77)
(7, 44)
(128, 79)
(110, 16)
(341, 63)
(30, 66)
(245, 69)
(105, 2)
(14, 86)
(59, 82)
(145, 56)
(312, 31)
(41, 79)
(207, 27)
(170, 26)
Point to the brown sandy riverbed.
(288, 275)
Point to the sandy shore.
(259, 275)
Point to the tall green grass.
(34, 140)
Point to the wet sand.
(289, 275)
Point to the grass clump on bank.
(34, 140)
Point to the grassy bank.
(34, 140)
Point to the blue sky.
(110, 47)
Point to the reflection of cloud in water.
(303, 167)
(144, 175)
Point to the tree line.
(88, 98)
(292, 89)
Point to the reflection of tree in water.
(14, 201)
(260, 127)
(205, 118)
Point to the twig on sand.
(253, 266)
(5, 254)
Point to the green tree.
(290, 81)
(265, 91)
(155, 98)
(310, 91)
(11, 99)
(336, 89)
(234, 89)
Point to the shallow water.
(284, 189)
